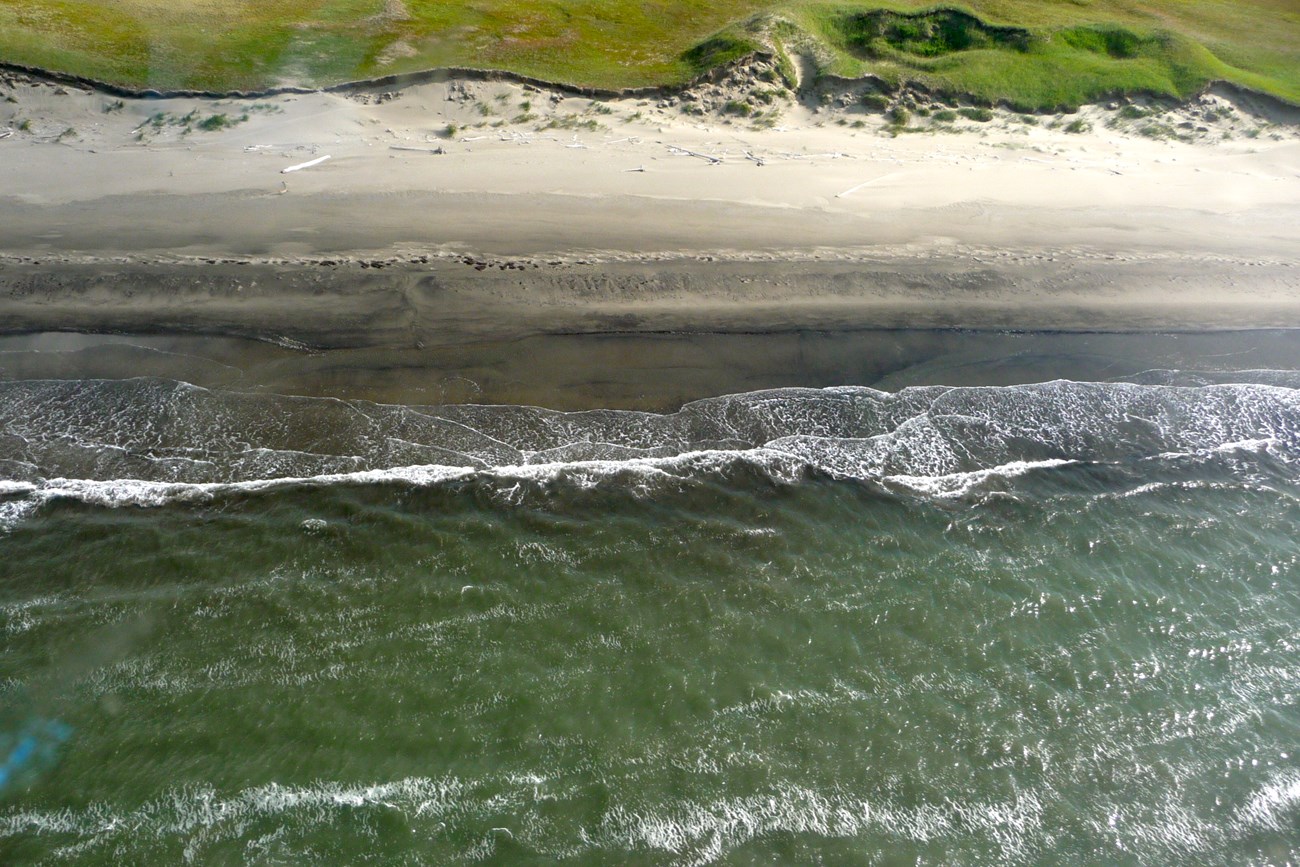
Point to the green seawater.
(1053, 624)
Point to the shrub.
(215, 122)
(875, 101)
(899, 116)
(945, 115)
(926, 34)
(1116, 42)
(1078, 125)
(1157, 130)
(982, 115)
(718, 51)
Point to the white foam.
(148, 443)
(955, 485)
(119, 493)
(14, 513)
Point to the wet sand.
(400, 303)
(652, 372)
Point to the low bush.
(875, 101)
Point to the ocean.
(1044, 622)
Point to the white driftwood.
(305, 165)
(713, 161)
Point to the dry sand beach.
(450, 216)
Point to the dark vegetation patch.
(1115, 42)
(880, 33)
(875, 101)
(718, 51)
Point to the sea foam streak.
(148, 442)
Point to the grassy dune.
(1040, 54)
(1048, 52)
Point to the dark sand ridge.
(358, 303)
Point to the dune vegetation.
(1030, 53)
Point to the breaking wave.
(150, 442)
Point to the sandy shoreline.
(357, 303)
(656, 371)
(456, 212)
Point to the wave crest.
(147, 442)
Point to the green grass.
(1032, 54)
(1037, 55)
